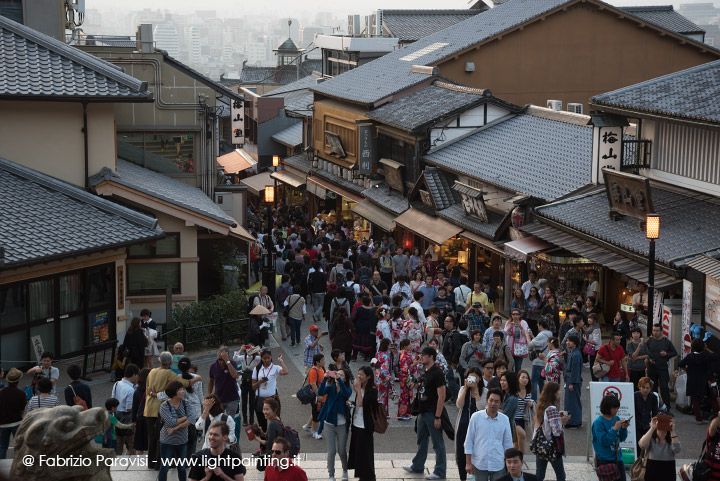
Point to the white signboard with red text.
(625, 393)
(666, 322)
(686, 317)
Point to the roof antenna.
(289, 23)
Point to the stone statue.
(64, 433)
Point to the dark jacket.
(13, 403)
(342, 332)
(369, 406)
(526, 477)
(82, 390)
(136, 343)
(452, 346)
(698, 366)
(335, 402)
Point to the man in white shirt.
(532, 282)
(461, 293)
(592, 288)
(123, 391)
(640, 299)
(402, 288)
(416, 303)
(484, 455)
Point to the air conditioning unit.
(354, 29)
(554, 104)
(575, 108)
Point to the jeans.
(425, 430)
(282, 322)
(661, 378)
(5, 440)
(336, 438)
(541, 467)
(318, 300)
(610, 379)
(294, 330)
(518, 363)
(452, 386)
(482, 475)
(168, 452)
(248, 395)
(537, 381)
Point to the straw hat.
(259, 311)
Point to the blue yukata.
(573, 377)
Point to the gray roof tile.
(689, 224)
(387, 198)
(297, 95)
(44, 218)
(299, 161)
(544, 158)
(440, 100)
(440, 187)
(35, 65)
(292, 136)
(456, 214)
(412, 25)
(689, 94)
(666, 17)
(163, 187)
(278, 75)
(345, 184)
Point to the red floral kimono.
(406, 392)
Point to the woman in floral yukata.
(553, 361)
(408, 369)
(383, 377)
(413, 330)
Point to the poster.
(656, 307)
(38, 348)
(686, 317)
(666, 322)
(712, 302)
(100, 326)
(624, 392)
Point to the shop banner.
(368, 152)
(38, 348)
(712, 302)
(667, 322)
(686, 317)
(625, 394)
(657, 306)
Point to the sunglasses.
(277, 451)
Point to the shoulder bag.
(637, 471)
(599, 369)
(286, 311)
(697, 471)
(380, 421)
(305, 394)
(609, 471)
(542, 447)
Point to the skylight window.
(423, 51)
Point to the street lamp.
(276, 161)
(269, 194)
(268, 275)
(652, 232)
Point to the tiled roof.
(412, 25)
(438, 101)
(34, 65)
(440, 187)
(302, 84)
(164, 188)
(386, 198)
(44, 218)
(299, 161)
(544, 158)
(689, 94)
(297, 95)
(278, 75)
(213, 84)
(391, 73)
(456, 214)
(666, 17)
(292, 136)
(339, 181)
(689, 224)
(288, 45)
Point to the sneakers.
(307, 428)
(409, 469)
(332, 478)
(407, 417)
(433, 476)
(702, 421)
(317, 436)
(588, 387)
(345, 476)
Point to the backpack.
(106, 437)
(77, 400)
(318, 282)
(339, 275)
(292, 437)
(282, 294)
(364, 275)
(350, 294)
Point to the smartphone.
(324, 333)
(331, 374)
(663, 422)
(629, 419)
(250, 433)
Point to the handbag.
(380, 421)
(305, 394)
(599, 369)
(286, 311)
(542, 447)
(609, 471)
(520, 347)
(697, 471)
(637, 471)
(589, 349)
(77, 400)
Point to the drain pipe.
(87, 156)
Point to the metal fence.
(636, 154)
(218, 333)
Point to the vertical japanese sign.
(366, 149)
(666, 322)
(237, 122)
(607, 151)
(656, 306)
(712, 301)
(686, 313)
(38, 348)
(121, 288)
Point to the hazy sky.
(298, 8)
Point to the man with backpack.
(317, 284)
(452, 345)
(283, 292)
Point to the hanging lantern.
(269, 193)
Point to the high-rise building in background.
(192, 45)
(166, 38)
(700, 13)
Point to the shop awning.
(380, 217)
(236, 161)
(241, 233)
(257, 183)
(520, 249)
(288, 178)
(601, 255)
(434, 229)
(705, 264)
(483, 242)
(326, 185)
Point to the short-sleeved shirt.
(431, 381)
(609, 355)
(267, 389)
(203, 459)
(292, 473)
(316, 375)
(400, 261)
(310, 352)
(591, 289)
(639, 364)
(225, 385)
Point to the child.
(108, 438)
(178, 353)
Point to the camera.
(471, 380)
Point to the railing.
(220, 333)
(98, 357)
(636, 154)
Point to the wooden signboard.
(394, 175)
(335, 143)
(628, 194)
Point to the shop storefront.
(336, 204)
(290, 187)
(65, 312)
(256, 186)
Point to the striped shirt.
(38, 402)
(520, 413)
(170, 416)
